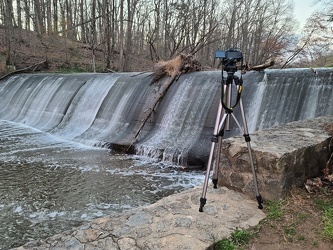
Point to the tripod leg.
(217, 162)
(215, 140)
(248, 139)
(224, 125)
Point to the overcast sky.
(303, 9)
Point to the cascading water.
(182, 119)
(293, 94)
(51, 176)
(105, 109)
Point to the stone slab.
(171, 223)
(284, 157)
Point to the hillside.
(29, 48)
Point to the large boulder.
(284, 157)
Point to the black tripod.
(225, 111)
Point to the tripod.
(225, 111)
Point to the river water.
(48, 185)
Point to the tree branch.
(31, 68)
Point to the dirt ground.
(62, 55)
(297, 223)
(304, 220)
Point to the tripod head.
(229, 58)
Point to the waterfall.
(182, 120)
(106, 109)
(293, 94)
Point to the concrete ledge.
(284, 157)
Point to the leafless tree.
(161, 29)
(8, 23)
(121, 37)
(259, 28)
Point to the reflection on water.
(48, 185)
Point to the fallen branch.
(172, 68)
(165, 88)
(290, 58)
(31, 68)
(262, 66)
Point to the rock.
(284, 157)
(138, 220)
(127, 244)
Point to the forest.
(122, 35)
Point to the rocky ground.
(171, 223)
(298, 222)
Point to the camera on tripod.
(229, 58)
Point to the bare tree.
(121, 37)
(27, 17)
(55, 14)
(8, 23)
(319, 38)
(19, 14)
(259, 28)
(163, 28)
(38, 20)
(48, 17)
(106, 14)
(131, 8)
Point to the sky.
(303, 9)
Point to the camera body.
(229, 57)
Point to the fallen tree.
(173, 69)
(259, 67)
(32, 68)
(263, 66)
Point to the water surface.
(48, 185)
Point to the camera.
(230, 56)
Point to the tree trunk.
(8, 30)
(48, 17)
(121, 37)
(161, 94)
(39, 24)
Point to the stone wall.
(284, 157)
